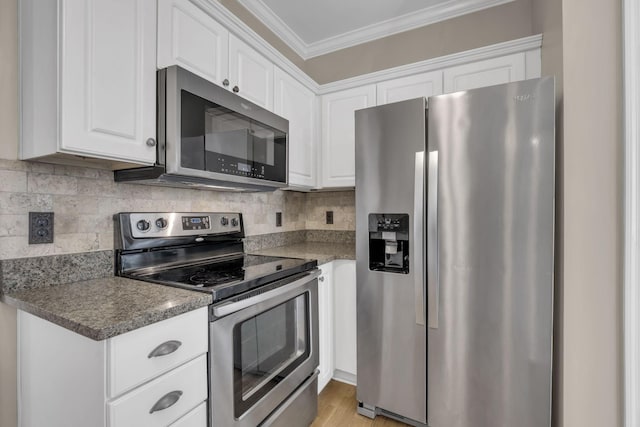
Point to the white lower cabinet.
(326, 330)
(195, 418)
(152, 376)
(337, 318)
(345, 336)
(163, 400)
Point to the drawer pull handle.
(166, 401)
(165, 348)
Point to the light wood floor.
(337, 408)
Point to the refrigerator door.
(391, 309)
(492, 246)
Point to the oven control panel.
(181, 224)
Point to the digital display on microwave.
(244, 167)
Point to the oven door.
(262, 348)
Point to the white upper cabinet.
(190, 38)
(338, 133)
(88, 79)
(489, 72)
(250, 74)
(425, 84)
(297, 104)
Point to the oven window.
(268, 347)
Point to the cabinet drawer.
(177, 392)
(195, 418)
(142, 354)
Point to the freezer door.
(391, 313)
(490, 251)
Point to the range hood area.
(210, 138)
(158, 176)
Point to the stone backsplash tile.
(13, 180)
(51, 184)
(84, 201)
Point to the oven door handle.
(233, 306)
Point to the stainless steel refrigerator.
(455, 250)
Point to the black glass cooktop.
(230, 276)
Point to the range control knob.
(234, 222)
(143, 225)
(224, 221)
(161, 223)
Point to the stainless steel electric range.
(263, 329)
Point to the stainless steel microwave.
(211, 138)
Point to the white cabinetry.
(345, 336)
(296, 103)
(250, 74)
(489, 72)
(191, 38)
(325, 319)
(88, 79)
(150, 376)
(338, 133)
(403, 88)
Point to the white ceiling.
(316, 27)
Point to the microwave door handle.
(234, 306)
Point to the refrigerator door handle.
(418, 232)
(433, 276)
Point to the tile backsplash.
(85, 199)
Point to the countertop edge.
(150, 317)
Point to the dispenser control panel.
(389, 242)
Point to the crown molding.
(222, 15)
(487, 52)
(427, 16)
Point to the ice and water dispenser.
(389, 242)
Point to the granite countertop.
(103, 308)
(323, 252)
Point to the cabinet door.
(325, 319)
(163, 400)
(250, 74)
(344, 300)
(192, 39)
(489, 72)
(426, 85)
(296, 103)
(108, 69)
(195, 418)
(338, 134)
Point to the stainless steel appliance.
(263, 343)
(211, 138)
(455, 315)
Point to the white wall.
(592, 220)
(8, 150)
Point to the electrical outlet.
(40, 227)
(329, 217)
(278, 219)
